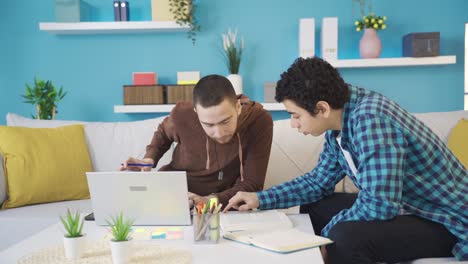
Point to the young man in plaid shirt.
(413, 200)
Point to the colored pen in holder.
(206, 223)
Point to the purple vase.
(370, 45)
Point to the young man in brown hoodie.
(223, 144)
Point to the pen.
(138, 164)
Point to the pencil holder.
(206, 228)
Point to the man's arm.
(310, 187)
(161, 141)
(381, 150)
(257, 156)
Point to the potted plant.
(232, 51)
(370, 45)
(184, 14)
(74, 239)
(45, 97)
(121, 241)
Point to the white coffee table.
(225, 251)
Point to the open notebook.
(271, 230)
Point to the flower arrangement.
(371, 21)
(233, 48)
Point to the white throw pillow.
(109, 143)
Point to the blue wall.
(93, 68)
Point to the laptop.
(148, 198)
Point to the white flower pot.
(74, 246)
(121, 251)
(236, 81)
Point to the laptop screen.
(148, 198)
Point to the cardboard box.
(143, 94)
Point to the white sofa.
(292, 155)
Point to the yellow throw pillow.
(458, 141)
(44, 164)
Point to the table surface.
(226, 251)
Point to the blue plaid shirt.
(401, 164)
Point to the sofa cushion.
(2, 180)
(44, 164)
(109, 143)
(458, 141)
(292, 157)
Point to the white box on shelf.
(306, 37)
(188, 77)
(329, 38)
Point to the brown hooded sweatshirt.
(203, 158)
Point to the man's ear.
(238, 107)
(323, 108)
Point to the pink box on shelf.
(145, 78)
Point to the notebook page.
(254, 220)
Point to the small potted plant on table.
(121, 243)
(74, 240)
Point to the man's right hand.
(147, 161)
(243, 201)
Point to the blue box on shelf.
(67, 10)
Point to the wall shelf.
(166, 108)
(112, 27)
(393, 62)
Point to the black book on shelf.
(116, 10)
(124, 11)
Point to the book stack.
(121, 11)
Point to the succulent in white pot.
(74, 240)
(121, 242)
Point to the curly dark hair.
(310, 80)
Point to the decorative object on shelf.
(124, 11)
(121, 243)
(116, 10)
(184, 14)
(74, 240)
(143, 94)
(177, 93)
(269, 92)
(188, 77)
(370, 45)
(329, 38)
(421, 44)
(67, 10)
(145, 78)
(233, 48)
(45, 97)
(306, 37)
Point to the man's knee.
(351, 245)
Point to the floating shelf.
(393, 62)
(112, 27)
(166, 108)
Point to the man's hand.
(133, 164)
(243, 201)
(197, 198)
